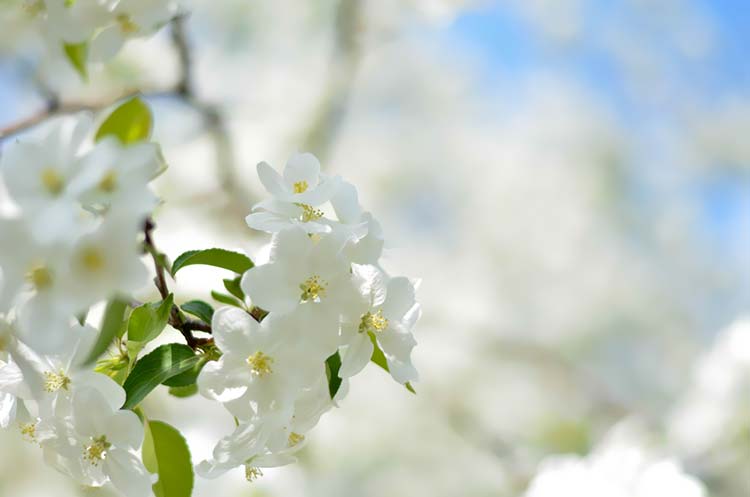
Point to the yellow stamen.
(309, 213)
(56, 381)
(126, 23)
(52, 180)
(252, 474)
(300, 187)
(96, 451)
(92, 259)
(28, 431)
(108, 183)
(260, 363)
(373, 322)
(295, 438)
(313, 288)
(40, 277)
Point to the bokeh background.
(569, 178)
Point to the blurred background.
(569, 178)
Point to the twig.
(176, 319)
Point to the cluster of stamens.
(260, 363)
(373, 322)
(96, 451)
(126, 24)
(300, 187)
(56, 381)
(28, 431)
(314, 288)
(309, 213)
(52, 181)
(40, 277)
(91, 259)
(108, 183)
(252, 473)
(295, 438)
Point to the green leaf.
(130, 122)
(189, 377)
(333, 365)
(149, 320)
(77, 54)
(378, 357)
(226, 299)
(233, 287)
(226, 259)
(111, 323)
(155, 368)
(166, 453)
(199, 309)
(184, 392)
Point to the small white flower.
(96, 444)
(119, 176)
(129, 19)
(296, 196)
(387, 313)
(363, 232)
(301, 270)
(271, 441)
(260, 370)
(42, 175)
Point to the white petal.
(356, 356)
(215, 383)
(106, 44)
(399, 299)
(271, 288)
(8, 404)
(302, 167)
(124, 429)
(127, 473)
(271, 180)
(397, 345)
(233, 328)
(346, 203)
(270, 222)
(108, 389)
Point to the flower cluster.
(74, 228)
(97, 29)
(330, 309)
(69, 242)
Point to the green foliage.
(77, 54)
(233, 287)
(189, 377)
(184, 392)
(333, 366)
(226, 259)
(155, 368)
(148, 321)
(130, 122)
(111, 325)
(166, 453)
(199, 309)
(378, 357)
(226, 299)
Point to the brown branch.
(176, 319)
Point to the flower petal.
(127, 473)
(271, 180)
(356, 356)
(271, 288)
(302, 168)
(399, 299)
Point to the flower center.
(295, 438)
(96, 451)
(314, 288)
(260, 363)
(52, 181)
(108, 183)
(92, 259)
(300, 187)
(309, 213)
(28, 431)
(56, 381)
(252, 473)
(126, 23)
(373, 322)
(40, 277)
